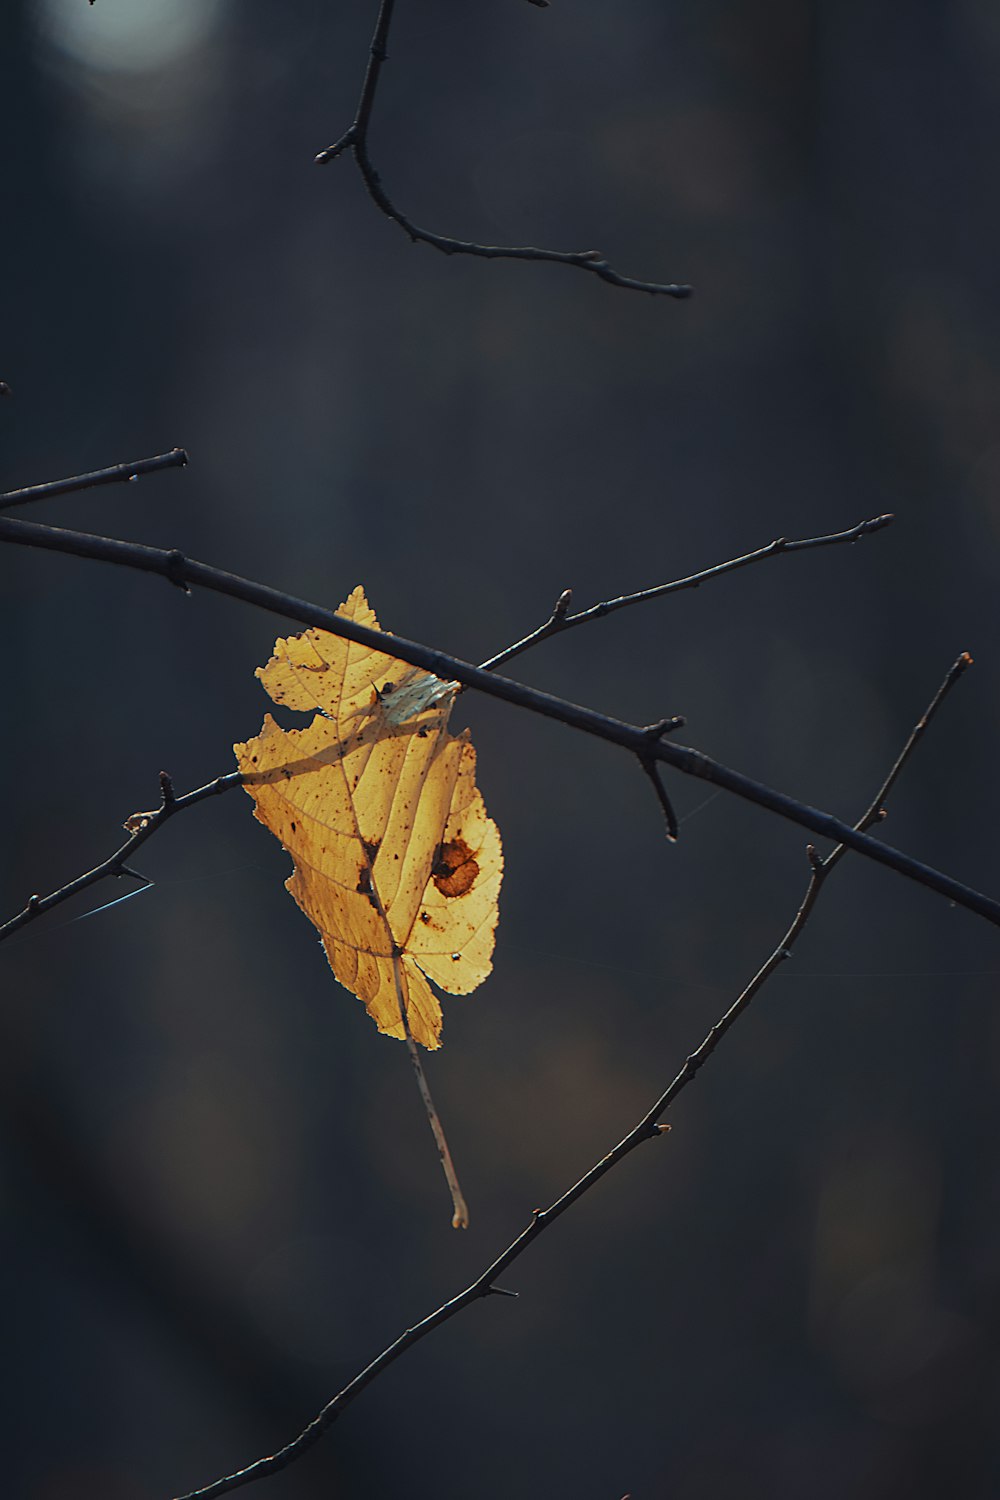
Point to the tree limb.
(140, 826)
(647, 1129)
(183, 571)
(355, 140)
(560, 619)
(117, 473)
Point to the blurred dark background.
(219, 1194)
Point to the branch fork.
(355, 140)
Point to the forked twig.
(184, 571)
(355, 140)
(140, 826)
(560, 619)
(115, 474)
(648, 1128)
(655, 733)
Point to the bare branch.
(355, 140)
(560, 619)
(183, 572)
(654, 733)
(116, 474)
(140, 826)
(648, 1128)
(652, 770)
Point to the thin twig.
(460, 1209)
(355, 140)
(648, 1128)
(116, 474)
(654, 733)
(140, 826)
(183, 571)
(561, 620)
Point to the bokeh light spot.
(127, 36)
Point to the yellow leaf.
(396, 861)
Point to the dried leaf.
(396, 861)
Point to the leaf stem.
(460, 1211)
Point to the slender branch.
(648, 1128)
(183, 571)
(654, 733)
(116, 474)
(140, 826)
(355, 140)
(560, 618)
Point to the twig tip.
(654, 732)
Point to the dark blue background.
(218, 1194)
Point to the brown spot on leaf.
(454, 870)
